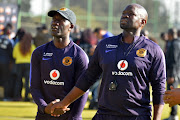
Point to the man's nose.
(55, 23)
(125, 16)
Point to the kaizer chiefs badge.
(63, 9)
(141, 52)
(54, 74)
(67, 61)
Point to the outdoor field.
(27, 111)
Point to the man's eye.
(63, 20)
(131, 14)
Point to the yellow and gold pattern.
(63, 9)
(141, 52)
(67, 61)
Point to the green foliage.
(99, 14)
(25, 5)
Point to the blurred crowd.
(172, 55)
(16, 56)
(15, 60)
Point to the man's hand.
(48, 107)
(57, 112)
(73, 95)
(58, 109)
(172, 97)
(170, 80)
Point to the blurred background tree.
(96, 13)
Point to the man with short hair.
(6, 60)
(42, 36)
(55, 68)
(128, 62)
(101, 33)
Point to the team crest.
(122, 65)
(67, 61)
(141, 52)
(54, 74)
(63, 9)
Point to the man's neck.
(128, 37)
(61, 43)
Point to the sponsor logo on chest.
(122, 66)
(54, 75)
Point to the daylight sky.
(40, 6)
(173, 7)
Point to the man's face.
(98, 35)
(59, 26)
(170, 36)
(8, 31)
(130, 18)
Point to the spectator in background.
(8, 30)
(153, 39)
(101, 33)
(6, 60)
(173, 66)
(22, 55)
(19, 34)
(13, 76)
(178, 33)
(164, 37)
(42, 36)
(76, 34)
(145, 33)
(88, 42)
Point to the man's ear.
(71, 27)
(143, 22)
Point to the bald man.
(128, 63)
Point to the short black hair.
(9, 25)
(97, 30)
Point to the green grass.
(27, 111)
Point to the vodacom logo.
(54, 74)
(122, 65)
